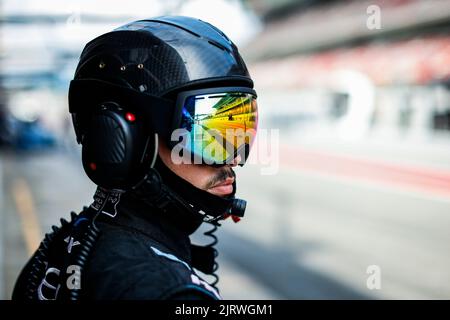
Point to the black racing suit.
(139, 252)
(145, 254)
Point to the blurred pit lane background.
(359, 93)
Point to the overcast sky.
(228, 15)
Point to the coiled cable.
(210, 233)
(35, 271)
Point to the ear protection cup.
(117, 149)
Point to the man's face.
(215, 180)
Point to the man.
(150, 103)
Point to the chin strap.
(212, 208)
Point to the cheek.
(197, 175)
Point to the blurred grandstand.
(358, 82)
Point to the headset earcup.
(117, 149)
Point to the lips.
(223, 188)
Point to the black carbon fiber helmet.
(126, 84)
(160, 55)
